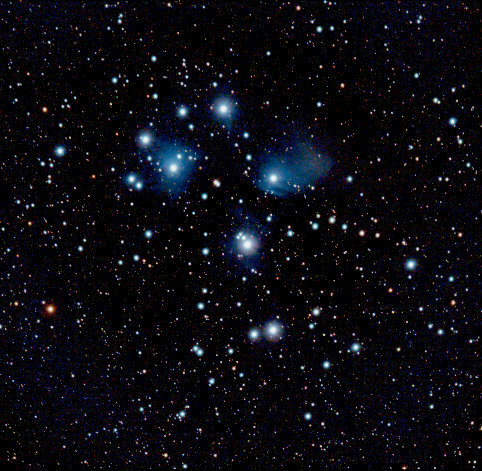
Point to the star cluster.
(240, 235)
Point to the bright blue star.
(275, 179)
(60, 151)
(224, 109)
(355, 347)
(273, 331)
(145, 139)
(411, 264)
(174, 164)
(183, 111)
(247, 244)
(254, 334)
(294, 168)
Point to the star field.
(240, 236)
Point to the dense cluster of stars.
(240, 234)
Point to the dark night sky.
(240, 235)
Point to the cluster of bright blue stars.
(134, 181)
(292, 170)
(198, 350)
(271, 331)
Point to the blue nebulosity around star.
(240, 235)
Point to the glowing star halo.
(247, 244)
(254, 334)
(60, 151)
(276, 179)
(145, 139)
(411, 264)
(182, 111)
(174, 165)
(224, 109)
(273, 331)
(292, 168)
